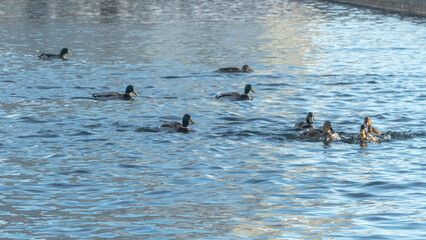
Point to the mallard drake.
(369, 126)
(116, 96)
(178, 127)
(327, 133)
(48, 56)
(309, 124)
(238, 96)
(245, 69)
(365, 136)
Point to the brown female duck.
(327, 133)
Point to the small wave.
(147, 129)
(31, 120)
(173, 77)
(81, 133)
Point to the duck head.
(246, 68)
(63, 52)
(310, 118)
(186, 120)
(327, 128)
(248, 88)
(131, 89)
(368, 123)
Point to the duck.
(309, 124)
(245, 69)
(365, 136)
(116, 96)
(369, 127)
(327, 133)
(178, 127)
(238, 96)
(48, 56)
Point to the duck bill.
(190, 120)
(69, 53)
(252, 90)
(134, 92)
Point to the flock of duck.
(368, 133)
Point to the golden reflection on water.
(288, 41)
(265, 223)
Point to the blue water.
(77, 168)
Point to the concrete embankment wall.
(417, 7)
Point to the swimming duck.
(116, 96)
(245, 68)
(369, 126)
(48, 56)
(365, 137)
(178, 127)
(327, 133)
(309, 124)
(238, 96)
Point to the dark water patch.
(164, 192)
(256, 181)
(174, 77)
(31, 120)
(359, 195)
(97, 125)
(338, 83)
(216, 168)
(147, 129)
(376, 219)
(47, 87)
(82, 133)
(65, 185)
(58, 155)
(33, 190)
(74, 172)
(8, 81)
(131, 166)
(41, 135)
(375, 183)
(93, 140)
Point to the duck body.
(49, 56)
(366, 137)
(245, 69)
(115, 95)
(326, 134)
(234, 96)
(178, 127)
(112, 96)
(308, 124)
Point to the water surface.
(77, 168)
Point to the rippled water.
(77, 168)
